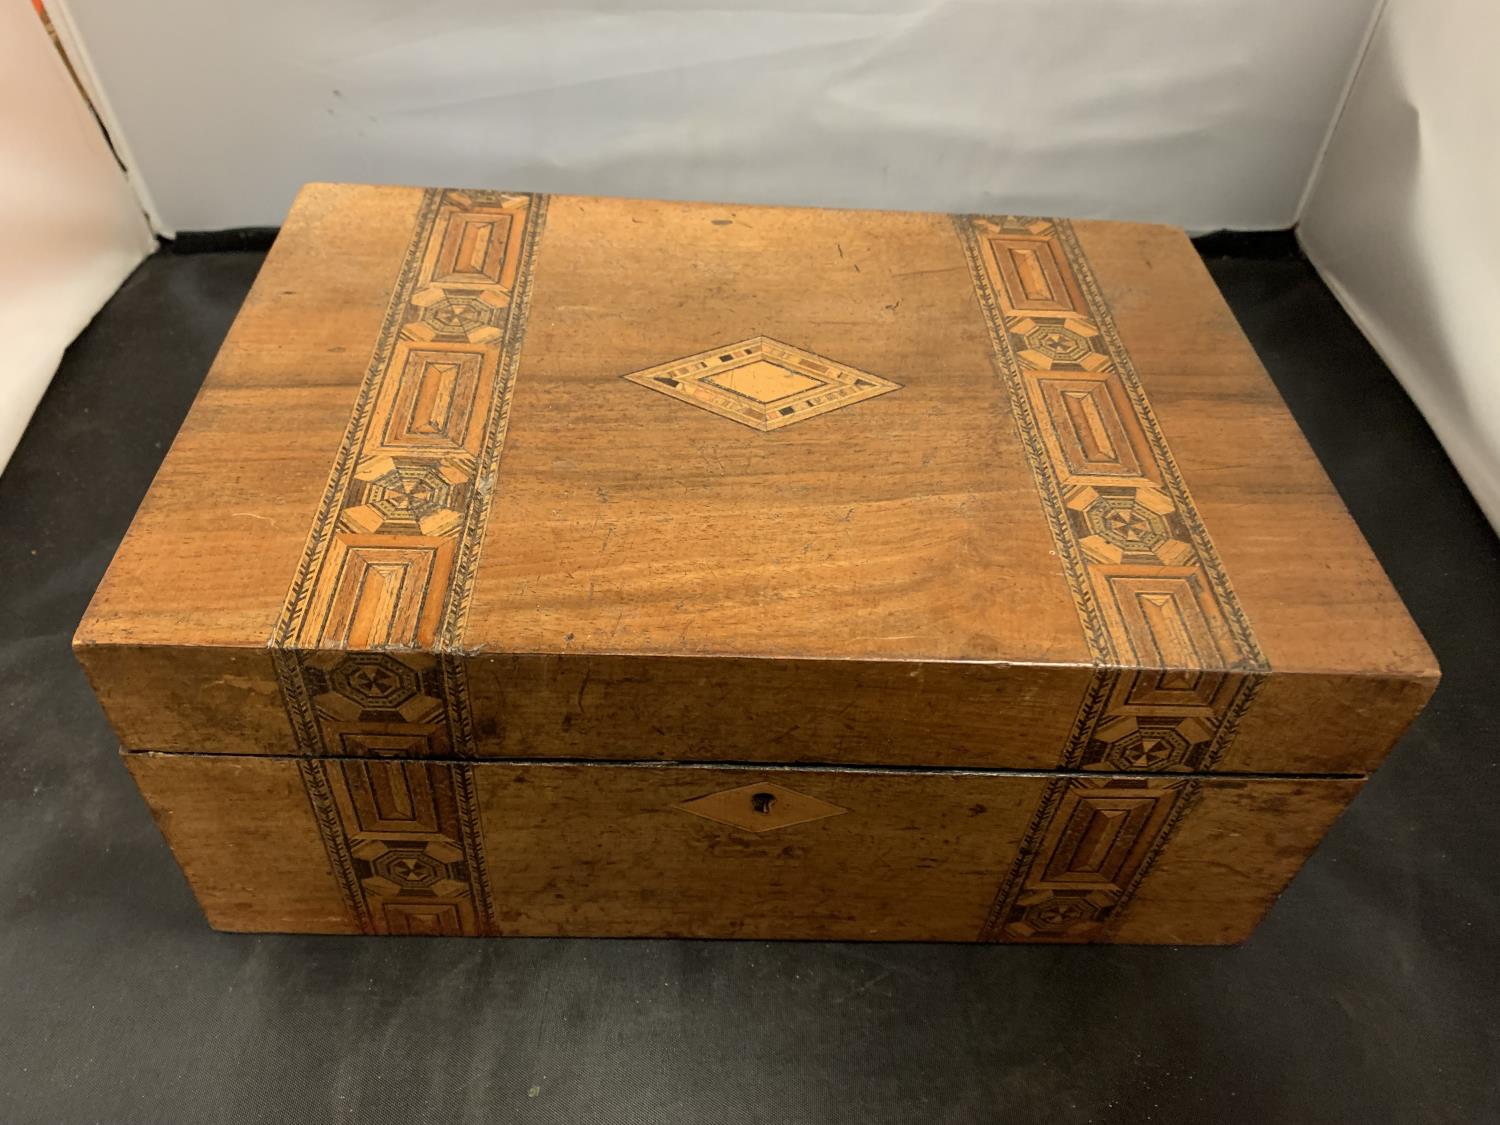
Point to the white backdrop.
(1402, 221)
(70, 229)
(1206, 113)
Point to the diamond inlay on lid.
(763, 383)
(761, 807)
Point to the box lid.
(641, 480)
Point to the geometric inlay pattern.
(1176, 661)
(404, 845)
(363, 648)
(1085, 854)
(763, 383)
(761, 807)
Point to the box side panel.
(213, 700)
(1230, 858)
(1325, 724)
(244, 834)
(448, 848)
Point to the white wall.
(1404, 219)
(70, 228)
(1205, 113)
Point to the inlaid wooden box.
(580, 566)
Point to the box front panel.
(457, 848)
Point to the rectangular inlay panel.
(1088, 848)
(404, 843)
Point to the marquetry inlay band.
(1177, 662)
(363, 647)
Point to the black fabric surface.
(1368, 996)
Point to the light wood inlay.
(763, 383)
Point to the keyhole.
(762, 802)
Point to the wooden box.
(677, 569)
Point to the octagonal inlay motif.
(1058, 343)
(398, 868)
(374, 680)
(409, 867)
(1148, 748)
(1052, 343)
(408, 492)
(1127, 524)
(458, 316)
(1059, 913)
(402, 494)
